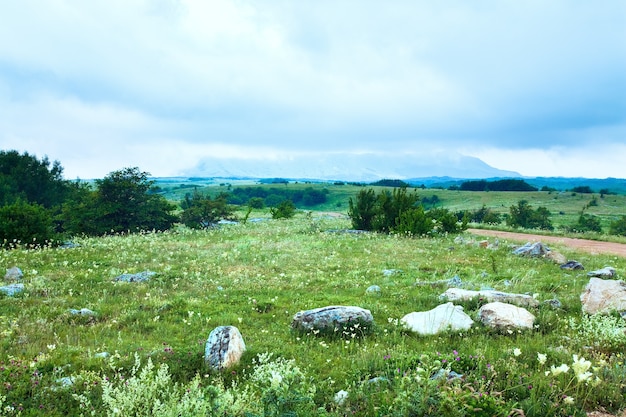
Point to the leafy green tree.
(363, 210)
(200, 211)
(587, 223)
(285, 210)
(23, 176)
(414, 222)
(25, 224)
(523, 215)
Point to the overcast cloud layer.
(537, 87)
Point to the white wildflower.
(559, 370)
(517, 352)
(341, 397)
(542, 357)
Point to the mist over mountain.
(364, 167)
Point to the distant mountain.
(364, 167)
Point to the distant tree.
(363, 210)
(390, 183)
(498, 185)
(618, 227)
(285, 210)
(200, 211)
(524, 216)
(582, 189)
(586, 223)
(256, 203)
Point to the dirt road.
(591, 246)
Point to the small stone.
(554, 303)
(102, 355)
(532, 249)
(82, 312)
(333, 319)
(13, 274)
(572, 266)
(12, 289)
(606, 272)
(390, 272)
(458, 294)
(505, 316)
(439, 319)
(138, 277)
(341, 397)
(373, 290)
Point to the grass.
(257, 276)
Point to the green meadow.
(142, 351)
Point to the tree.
(285, 210)
(618, 227)
(523, 215)
(23, 176)
(363, 210)
(200, 211)
(22, 223)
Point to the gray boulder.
(332, 319)
(13, 274)
(138, 277)
(224, 348)
(82, 312)
(504, 316)
(459, 294)
(12, 289)
(606, 272)
(439, 319)
(572, 266)
(535, 249)
(373, 290)
(602, 296)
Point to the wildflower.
(517, 352)
(541, 357)
(559, 370)
(277, 379)
(580, 367)
(568, 400)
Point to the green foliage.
(390, 183)
(123, 202)
(586, 223)
(498, 185)
(482, 215)
(24, 177)
(273, 196)
(24, 224)
(618, 227)
(363, 210)
(523, 215)
(285, 210)
(200, 211)
(583, 189)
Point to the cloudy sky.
(537, 87)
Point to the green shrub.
(618, 227)
(25, 224)
(285, 210)
(200, 211)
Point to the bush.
(285, 210)
(25, 224)
(200, 211)
(618, 227)
(523, 215)
(586, 223)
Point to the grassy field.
(256, 276)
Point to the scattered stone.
(373, 290)
(556, 257)
(341, 397)
(446, 374)
(604, 296)
(439, 319)
(606, 272)
(69, 245)
(82, 312)
(220, 288)
(14, 274)
(332, 319)
(224, 348)
(455, 281)
(554, 303)
(532, 249)
(390, 272)
(102, 355)
(12, 289)
(483, 243)
(458, 294)
(505, 316)
(138, 277)
(65, 382)
(378, 380)
(572, 266)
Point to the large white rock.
(224, 347)
(441, 318)
(332, 319)
(505, 316)
(603, 296)
(459, 294)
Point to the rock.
(572, 266)
(556, 257)
(69, 245)
(224, 348)
(604, 296)
(12, 289)
(138, 277)
(13, 274)
(341, 397)
(606, 272)
(332, 319)
(446, 374)
(102, 355)
(439, 319)
(455, 281)
(390, 272)
(532, 249)
(483, 243)
(458, 294)
(82, 312)
(505, 316)
(554, 303)
(373, 290)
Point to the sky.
(537, 87)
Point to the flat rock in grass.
(556, 257)
(439, 319)
(373, 290)
(138, 277)
(459, 294)
(224, 348)
(505, 316)
(12, 289)
(602, 296)
(13, 274)
(536, 249)
(82, 312)
(332, 318)
(606, 272)
(572, 266)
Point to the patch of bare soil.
(591, 246)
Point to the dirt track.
(591, 246)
